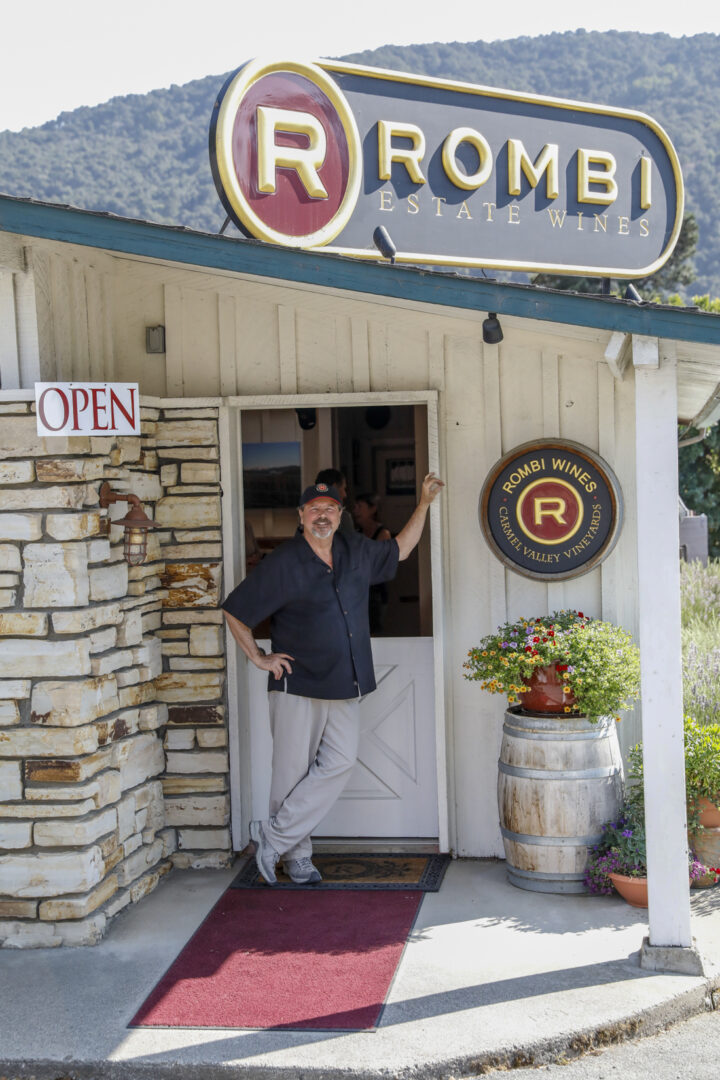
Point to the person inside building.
(315, 590)
(335, 478)
(365, 515)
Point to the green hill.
(146, 155)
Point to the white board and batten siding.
(231, 336)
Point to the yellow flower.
(568, 709)
(567, 690)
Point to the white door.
(392, 791)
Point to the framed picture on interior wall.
(395, 470)
(271, 475)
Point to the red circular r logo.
(286, 154)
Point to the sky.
(58, 57)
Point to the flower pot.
(709, 814)
(634, 890)
(546, 693)
(707, 881)
(706, 845)
(559, 779)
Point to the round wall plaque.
(551, 509)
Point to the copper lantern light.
(136, 523)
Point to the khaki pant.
(315, 744)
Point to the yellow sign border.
(246, 77)
(510, 95)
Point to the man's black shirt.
(318, 615)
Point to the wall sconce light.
(383, 242)
(492, 330)
(136, 523)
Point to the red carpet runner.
(269, 959)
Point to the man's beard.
(321, 530)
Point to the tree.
(677, 272)
(700, 480)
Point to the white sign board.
(75, 408)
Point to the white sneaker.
(302, 871)
(266, 857)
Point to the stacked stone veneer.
(197, 801)
(111, 768)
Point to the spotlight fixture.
(383, 242)
(307, 418)
(136, 523)
(492, 330)
(631, 293)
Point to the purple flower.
(626, 832)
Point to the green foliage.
(702, 768)
(679, 270)
(598, 661)
(145, 155)
(622, 849)
(700, 595)
(700, 613)
(702, 761)
(699, 476)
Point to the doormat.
(316, 961)
(352, 871)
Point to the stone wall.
(111, 768)
(197, 800)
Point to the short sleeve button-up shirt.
(318, 614)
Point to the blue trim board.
(175, 244)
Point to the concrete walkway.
(491, 975)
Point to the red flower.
(528, 648)
(536, 639)
(580, 615)
(551, 633)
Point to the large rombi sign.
(317, 155)
(551, 509)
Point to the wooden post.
(656, 464)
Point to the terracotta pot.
(706, 845)
(707, 881)
(546, 692)
(709, 814)
(632, 889)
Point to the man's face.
(321, 517)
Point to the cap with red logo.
(320, 491)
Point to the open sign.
(87, 408)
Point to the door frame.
(233, 534)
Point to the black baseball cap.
(320, 491)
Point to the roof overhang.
(696, 332)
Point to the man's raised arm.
(408, 537)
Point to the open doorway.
(381, 450)
(393, 792)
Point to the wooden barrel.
(560, 778)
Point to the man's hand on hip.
(278, 663)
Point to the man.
(315, 589)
